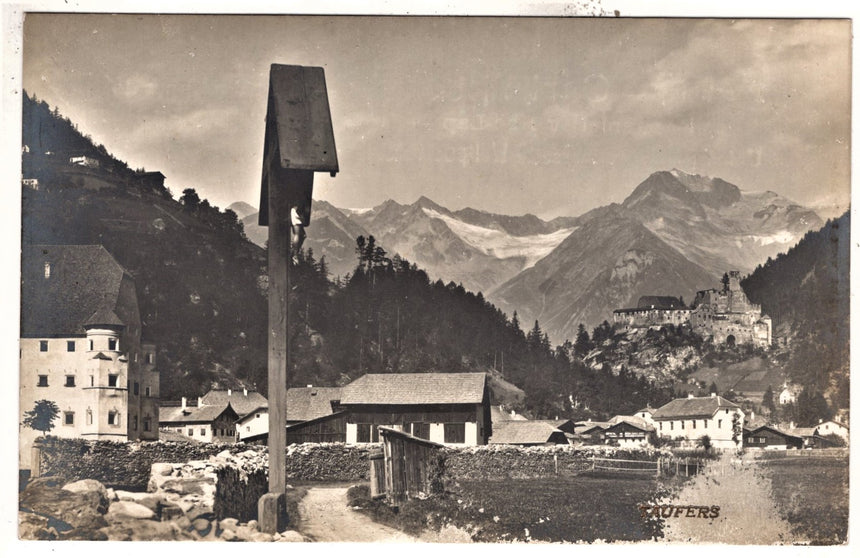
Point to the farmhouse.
(769, 437)
(251, 407)
(527, 433)
(203, 423)
(453, 409)
(688, 419)
(80, 347)
(832, 427)
(628, 433)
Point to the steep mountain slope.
(715, 224)
(331, 234)
(479, 250)
(607, 263)
(806, 293)
(199, 282)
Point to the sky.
(549, 116)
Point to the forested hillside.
(806, 292)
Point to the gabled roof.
(415, 389)
(83, 283)
(308, 403)
(639, 425)
(526, 432)
(593, 426)
(693, 407)
(204, 414)
(803, 432)
(638, 422)
(241, 403)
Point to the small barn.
(769, 437)
(527, 433)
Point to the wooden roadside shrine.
(299, 141)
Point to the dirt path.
(325, 517)
(747, 513)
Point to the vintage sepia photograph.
(433, 279)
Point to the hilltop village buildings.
(80, 347)
(726, 316)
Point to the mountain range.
(675, 233)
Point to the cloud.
(136, 89)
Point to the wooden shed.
(412, 466)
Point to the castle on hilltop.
(725, 315)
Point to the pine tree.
(582, 345)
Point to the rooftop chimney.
(713, 394)
(184, 403)
(229, 392)
(690, 395)
(199, 402)
(245, 392)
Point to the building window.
(682, 425)
(706, 423)
(91, 344)
(70, 346)
(89, 416)
(258, 415)
(43, 346)
(455, 433)
(190, 432)
(70, 381)
(43, 380)
(69, 418)
(113, 418)
(134, 423)
(247, 429)
(367, 433)
(147, 391)
(202, 431)
(111, 344)
(719, 423)
(136, 388)
(149, 358)
(147, 424)
(421, 430)
(671, 425)
(113, 380)
(694, 424)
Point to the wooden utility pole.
(298, 142)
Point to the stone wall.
(128, 465)
(124, 465)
